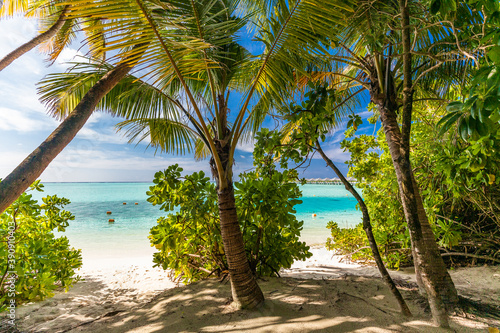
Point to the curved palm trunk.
(33, 165)
(246, 292)
(428, 262)
(447, 289)
(43, 37)
(369, 234)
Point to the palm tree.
(309, 123)
(376, 52)
(180, 94)
(60, 19)
(32, 166)
(57, 29)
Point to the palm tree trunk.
(445, 287)
(428, 261)
(369, 233)
(43, 37)
(246, 292)
(447, 290)
(33, 165)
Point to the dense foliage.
(477, 113)
(38, 262)
(189, 239)
(459, 182)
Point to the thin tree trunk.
(430, 266)
(369, 234)
(43, 37)
(407, 110)
(33, 166)
(444, 291)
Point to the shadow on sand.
(348, 304)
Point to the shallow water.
(127, 236)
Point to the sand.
(321, 294)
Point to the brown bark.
(41, 38)
(369, 233)
(447, 290)
(432, 272)
(33, 166)
(429, 264)
(246, 292)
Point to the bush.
(459, 186)
(189, 239)
(41, 261)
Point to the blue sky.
(97, 153)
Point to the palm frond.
(164, 134)
(296, 28)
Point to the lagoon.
(127, 236)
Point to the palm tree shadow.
(292, 305)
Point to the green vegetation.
(399, 53)
(459, 182)
(477, 111)
(31, 254)
(189, 240)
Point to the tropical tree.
(57, 30)
(32, 166)
(390, 49)
(477, 112)
(60, 16)
(192, 62)
(310, 122)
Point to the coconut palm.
(180, 93)
(57, 30)
(33, 166)
(391, 49)
(127, 55)
(375, 52)
(58, 14)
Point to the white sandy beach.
(117, 290)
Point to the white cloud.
(69, 55)
(10, 160)
(16, 31)
(88, 162)
(91, 158)
(247, 146)
(107, 135)
(365, 114)
(80, 164)
(14, 120)
(21, 109)
(337, 136)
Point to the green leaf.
(494, 54)
(454, 106)
(463, 128)
(447, 121)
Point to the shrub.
(38, 262)
(459, 186)
(189, 239)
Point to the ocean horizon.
(127, 235)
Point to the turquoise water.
(127, 236)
